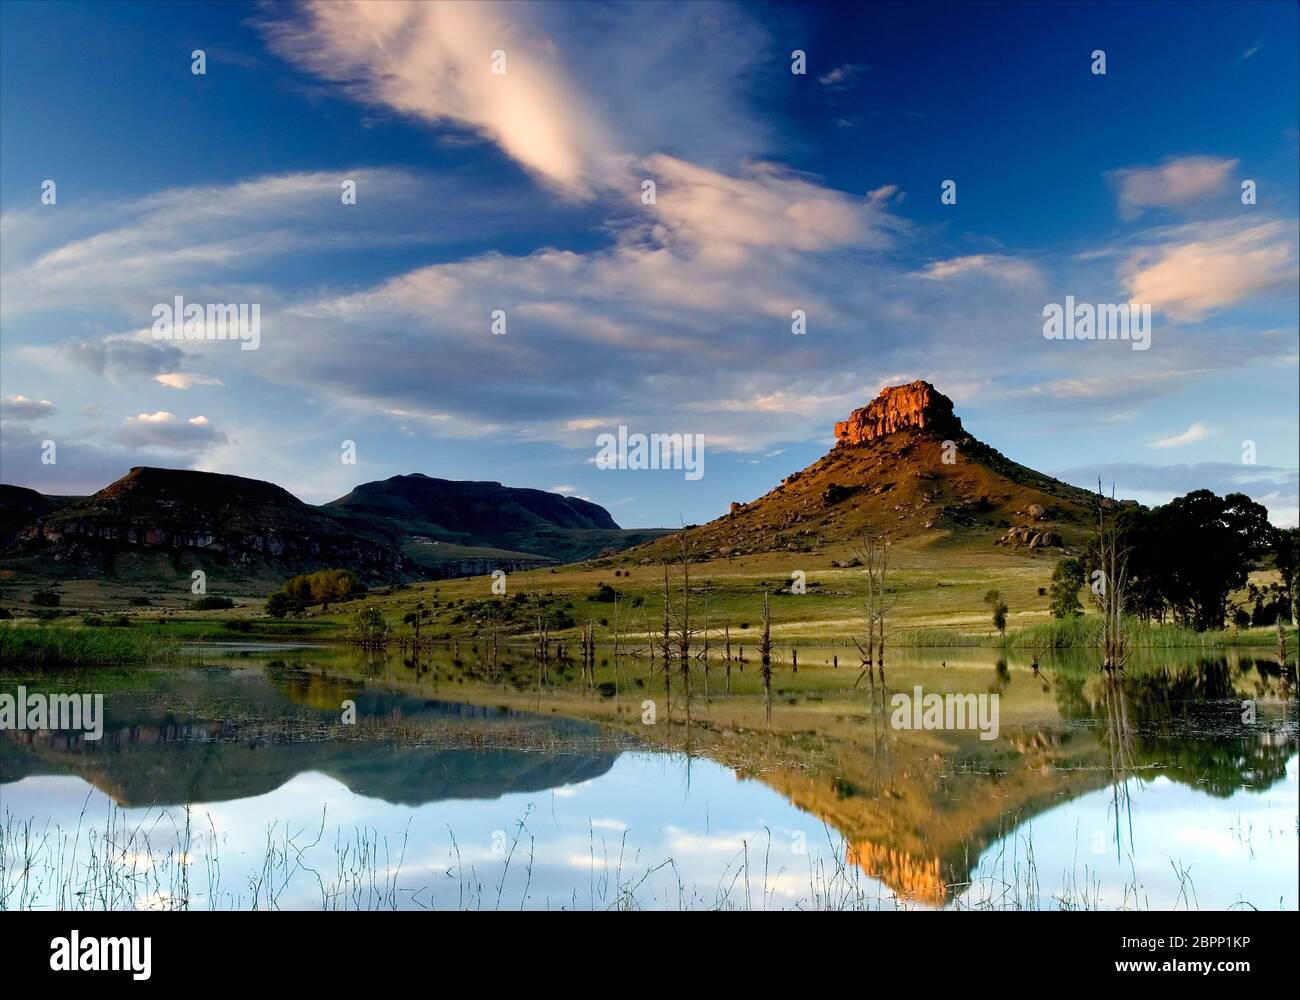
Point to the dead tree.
(1109, 588)
(765, 654)
(873, 553)
(666, 636)
(726, 631)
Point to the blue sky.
(521, 192)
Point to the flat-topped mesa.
(915, 406)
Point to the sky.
(499, 155)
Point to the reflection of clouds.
(1242, 848)
(684, 842)
(1221, 842)
(635, 827)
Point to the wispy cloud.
(1171, 184)
(1012, 270)
(841, 77)
(1196, 432)
(185, 380)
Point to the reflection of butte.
(919, 816)
(921, 880)
(918, 821)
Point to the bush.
(280, 604)
(140, 601)
(212, 603)
(46, 598)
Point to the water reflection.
(1145, 788)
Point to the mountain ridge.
(164, 523)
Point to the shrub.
(280, 604)
(46, 598)
(212, 603)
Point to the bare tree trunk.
(765, 651)
(666, 640)
(727, 634)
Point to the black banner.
(143, 950)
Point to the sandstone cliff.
(915, 406)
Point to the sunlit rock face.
(915, 406)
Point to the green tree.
(1286, 554)
(1190, 554)
(1067, 578)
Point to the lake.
(290, 777)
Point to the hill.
(166, 523)
(162, 524)
(438, 522)
(904, 466)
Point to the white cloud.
(1197, 269)
(1011, 270)
(582, 96)
(185, 380)
(841, 77)
(1170, 184)
(1197, 432)
(435, 61)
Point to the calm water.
(236, 784)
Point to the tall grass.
(37, 646)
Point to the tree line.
(1185, 559)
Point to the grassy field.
(938, 589)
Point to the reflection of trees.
(314, 690)
(1187, 720)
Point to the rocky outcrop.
(1034, 538)
(837, 493)
(915, 406)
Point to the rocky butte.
(915, 406)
